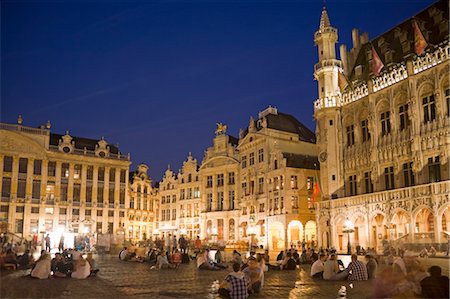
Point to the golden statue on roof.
(221, 129)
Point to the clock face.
(322, 157)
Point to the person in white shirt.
(82, 269)
(42, 269)
(331, 270)
(123, 255)
(317, 268)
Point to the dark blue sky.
(155, 76)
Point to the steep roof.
(288, 123)
(301, 161)
(81, 143)
(395, 45)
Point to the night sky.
(154, 77)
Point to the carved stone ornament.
(221, 129)
(323, 157)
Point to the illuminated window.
(49, 211)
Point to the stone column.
(58, 181)
(14, 177)
(83, 198)
(215, 202)
(95, 184)
(106, 187)
(29, 181)
(44, 178)
(70, 182)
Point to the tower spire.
(324, 19)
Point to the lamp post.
(251, 233)
(214, 234)
(348, 228)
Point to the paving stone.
(118, 279)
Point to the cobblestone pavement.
(131, 279)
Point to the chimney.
(364, 38)
(355, 38)
(344, 59)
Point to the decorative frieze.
(428, 60)
(387, 79)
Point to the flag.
(377, 64)
(316, 190)
(342, 81)
(419, 41)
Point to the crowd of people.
(68, 263)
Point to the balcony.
(327, 63)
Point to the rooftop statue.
(221, 129)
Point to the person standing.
(174, 243)
(47, 243)
(61, 244)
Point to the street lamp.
(214, 234)
(251, 233)
(348, 228)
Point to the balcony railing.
(327, 63)
(35, 131)
(406, 193)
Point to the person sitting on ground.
(176, 258)
(303, 257)
(218, 256)
(58, 266)
(82, 269)
(123, 255)
(314, 256)
(76, 254)
(235, 284)
(436, 285)
(11, 258)
(202, 262)
(280, 257)
(26, 260)
(432, 251)
(331, 269)
(42, 268)
(424, 252)
(254, 275)
(356, 269)
(162, 262)
(296, 256)
(371, 266)
(93, 264)
(237, 258)
(198, 245)
(317, 267)
(153, 255)
(289, 263)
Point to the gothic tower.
(326, 110)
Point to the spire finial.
(324, 20)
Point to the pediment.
(219, 161)
(12, 143)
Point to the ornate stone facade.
(257, 188)
(386, 149)
(58, 184)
